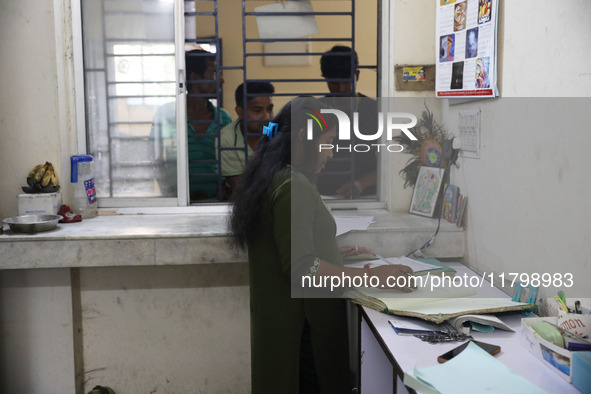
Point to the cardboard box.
(39, 204)
(557, 358)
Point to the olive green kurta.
(277, 319)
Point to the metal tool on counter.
(439, 337)
(448, 333)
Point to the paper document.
(474, 371)
(348, 223)
(414, 264)
(286, 26)
(411, 326)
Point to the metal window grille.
(131, 73)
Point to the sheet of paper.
(288, 26)
(414, 264)
(480, 327)
(348, 223)
(466, 42)
(413, 324)
(475, 371)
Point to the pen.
(561, 296)
(381, 258)
(563, 300)
(578, 307)
(561, 304)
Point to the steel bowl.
(32, 223)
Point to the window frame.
(141, 203)
(182, 204)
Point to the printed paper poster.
(466, 48)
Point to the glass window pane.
(130, 77)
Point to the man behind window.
(204, 121)
(349, 174)
(258, 112)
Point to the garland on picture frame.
(433, 148)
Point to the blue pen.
(575, 347)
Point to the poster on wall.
(466, 35)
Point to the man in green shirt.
(204, 121)
(255, 111)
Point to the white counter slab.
(398, 234)
(130, 227)
(180, 239)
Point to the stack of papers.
(472, 371)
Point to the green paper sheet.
(475, 371)
(481, 327)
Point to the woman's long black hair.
(273, 154)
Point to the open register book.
(419, 266)
(483, 323)
(436, 304)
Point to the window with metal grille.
(147, 150)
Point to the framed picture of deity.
(427, 186)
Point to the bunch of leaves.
(426, 129)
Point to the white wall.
(528, 194)
(34, 124)
(36, 346)
(546, 53)
(176, 329)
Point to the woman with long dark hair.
(299, 345)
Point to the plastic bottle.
(82, 179)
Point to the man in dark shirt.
(349, 174)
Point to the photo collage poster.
(466, 48)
